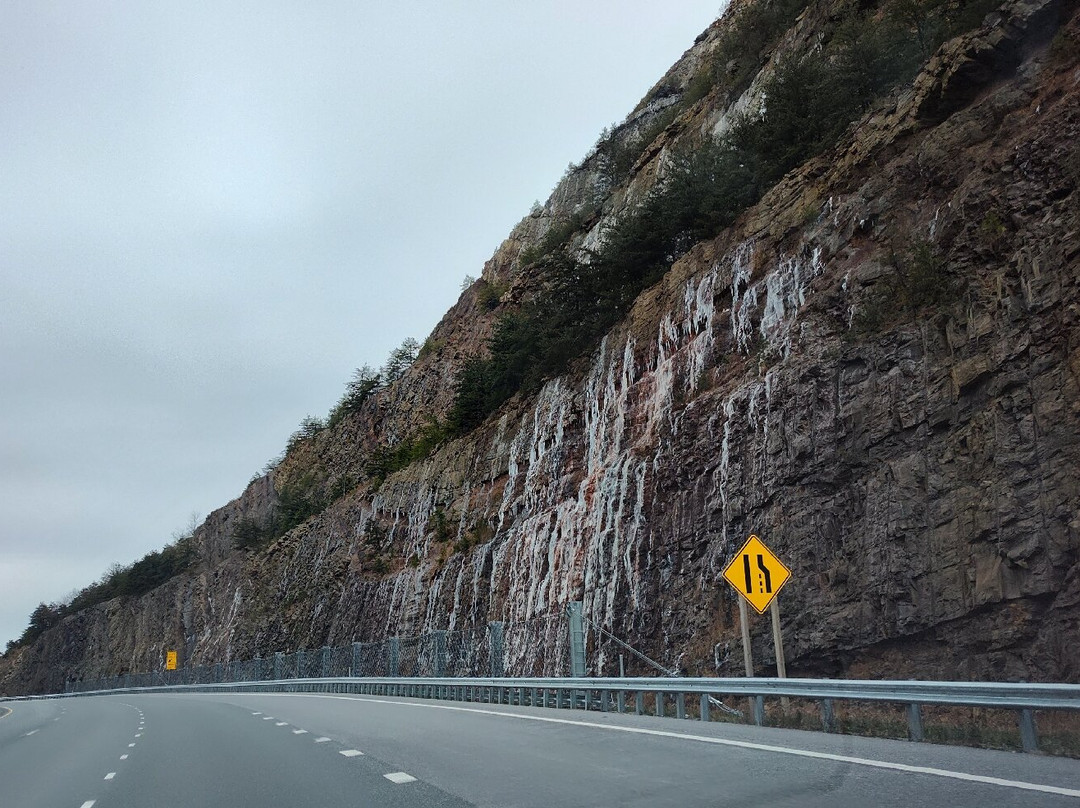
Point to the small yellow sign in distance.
(170, 660)
(756, 574)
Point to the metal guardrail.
(610, 694)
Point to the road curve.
(288, 750)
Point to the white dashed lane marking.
(110, 775)
(350, 752)
(299, 732)
(130, 745)
(281, 724)
(123, 757)
(138, 734)
(321, 740)
(268, 718)
(259, 713)
(400, 777)
(31, 732)
(88, 804)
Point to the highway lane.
(124, 752)
(288, 750)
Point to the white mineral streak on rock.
(743, 296)
(785, 294)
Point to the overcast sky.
(211, 213)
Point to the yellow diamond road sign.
(756, 574)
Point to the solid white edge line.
(760, 747)
(400, 777)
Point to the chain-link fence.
(535, 647)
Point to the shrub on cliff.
(399, 360)
(365, 382)
(388, 458)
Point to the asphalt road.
(269, 750)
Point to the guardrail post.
(680, 705)
(914, 722)
(440, 653)
(659, 708)
(395, 655)
(279, 663)
(620, 701)
(325, 667)
(704, 710)
(639, 702)
(759, 710)
(495, 631)
(828, 718)
(355, 669)
(577, 638)
(1029, 737)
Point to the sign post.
(744, 627)
(758, 576)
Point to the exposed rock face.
(918, 470)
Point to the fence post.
(279, 663)
(828, 718)
(914, 722)
(577, 639)
(395, 655)
(301, 663)
(325, 661)
(355, 670)
(495, 632)
(440, 653)
(219, 672)
(1029, 737)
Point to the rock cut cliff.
(876, 368)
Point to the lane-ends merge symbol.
(756, 574)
